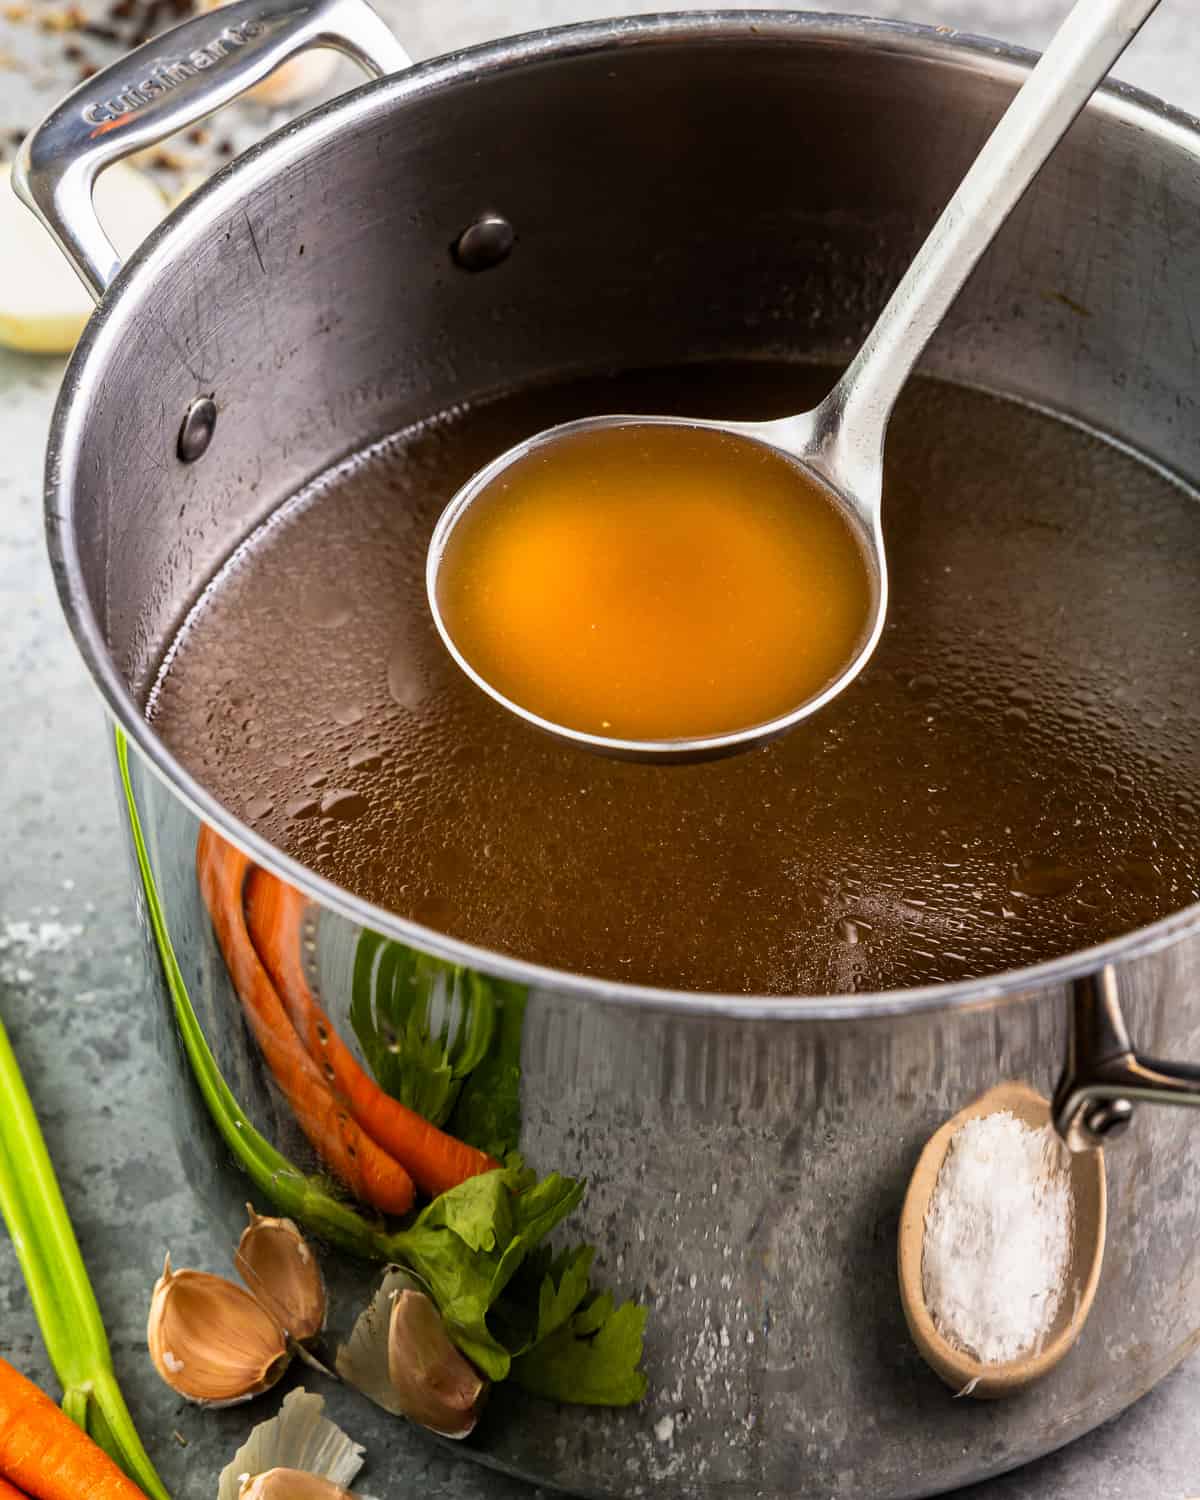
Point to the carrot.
(11, 1492)
(436, 1161)
(370, 1173)
(44, 1456)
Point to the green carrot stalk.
(62, 1296)
(296, 1194)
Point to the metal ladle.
(839, 443)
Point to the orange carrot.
(46, 1455)
(370, 1173)
(435, 1160)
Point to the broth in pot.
(1013, 777)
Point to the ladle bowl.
(865, 522)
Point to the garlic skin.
(290, 1484)
(300, 1438)
(434, 1384)
(210, 1341)
(282, 1273)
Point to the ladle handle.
(165, 85)
(852, 420)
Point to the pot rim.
(256, 167)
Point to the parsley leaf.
(471, 1241)
(592, 1359)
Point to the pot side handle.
(1093, 1102)
(165, 85)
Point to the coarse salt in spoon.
(834, 454)
(960, 1370)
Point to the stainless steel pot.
(698, 185)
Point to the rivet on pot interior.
(196, 431)
(484, 243)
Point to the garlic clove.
(362, 1361)
(279, 1267)
(290, 1484)
(435, 1384)
(211, 1341)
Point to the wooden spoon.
(963, 1373)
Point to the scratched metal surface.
(71, 977)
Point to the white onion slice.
(43, 304)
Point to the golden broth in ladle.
(655, 582)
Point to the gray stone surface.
(72, 985)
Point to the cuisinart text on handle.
(170, 73)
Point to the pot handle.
(1093, 1102)
(165, 85)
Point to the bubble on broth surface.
(1013, 777)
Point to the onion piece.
(43, 304)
